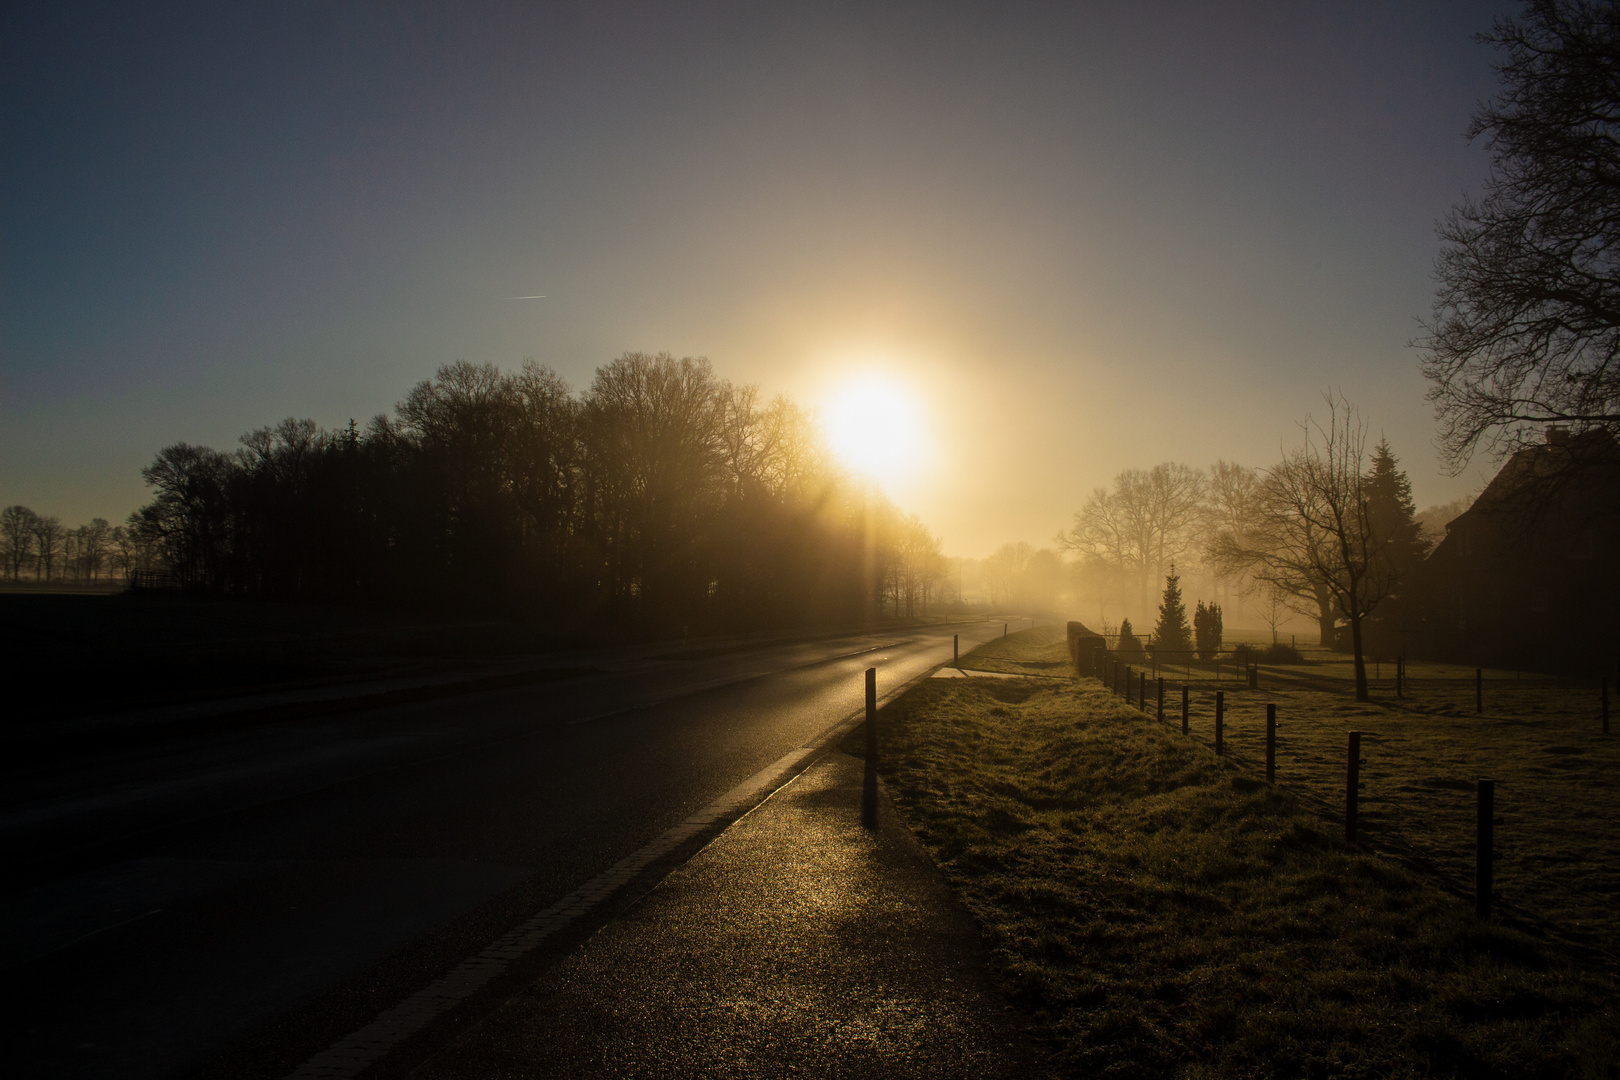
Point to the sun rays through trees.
(662, 496)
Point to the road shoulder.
(797, 942)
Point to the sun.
(874, 425)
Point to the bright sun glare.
(874, 426)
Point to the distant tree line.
(661, 496)
(1329, 532)
(37, 547)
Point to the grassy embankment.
(1165, 913)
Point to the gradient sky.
(1089, 236)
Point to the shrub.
(1282, 654)
(1207, 630)
(1130, 646)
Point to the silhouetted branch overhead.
(1526, 323)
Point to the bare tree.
(93, 539)
(17, 532)
(1004, 569)
(1526, 324)
(1143, 524)
(1228, 508)
(1313, 528)
(48, 536)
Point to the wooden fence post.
(1141, 691)
(1271, 744)
(871, 716)
(956, 650)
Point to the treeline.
(40, 548)
(1330, 532)
(661, 496)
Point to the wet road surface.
(229, 903)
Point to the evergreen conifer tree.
(1207, 630)
(1130, 646)
(1172, 635)
(1393, 517)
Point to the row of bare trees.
(40, 548)
(661, 495)
(1329, 532)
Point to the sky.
(1084, 236)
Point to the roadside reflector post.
(1220, 719)
(1161, 699)
(1352, 786)
(1186, 712)
(1271, 744)
(869, 800)
(1485, 840)
(1479, 690)
(871, 715)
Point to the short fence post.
(1605, 704)
(1485, 839)
(1161, 699)
(1141, 691)
(869, 811)
(1352, 786)
(871, 716)
(1479, 690)
(1220, 718)
(1127, 684)
(1003, 629)
(1254, 676)
(1184, 710)
(1271, 744)
(956, 649)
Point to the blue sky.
(1089, 236)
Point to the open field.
(1558, 864)
(1166, 913)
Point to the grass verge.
(1165, 914)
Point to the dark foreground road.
(230, 904)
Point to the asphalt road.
(229, 903)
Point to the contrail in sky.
(541, 297)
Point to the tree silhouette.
(1526, 320)
(662, 498)
(1172, 634)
